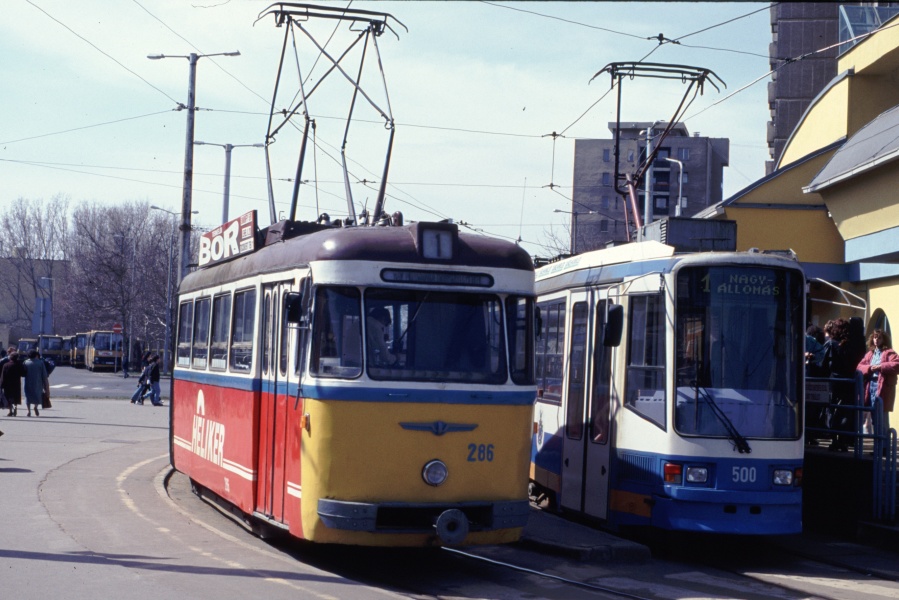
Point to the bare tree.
(119, 261)
(34, 239)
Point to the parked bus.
(66, 358)
(26, 345)
(79, 344)
(50, 347)
(103, 351)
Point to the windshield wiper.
(740, 443)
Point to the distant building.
(801, 29)
(600, 208)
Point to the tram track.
(775, 572)
(704, 567)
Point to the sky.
(479, 93)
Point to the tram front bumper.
(402, 517)
(746, 513)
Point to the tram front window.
(739, 348)
(421, 335)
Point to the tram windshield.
(420, 335)
(739, 336)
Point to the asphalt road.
(86, 515)
(66, 382)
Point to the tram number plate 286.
(480, 452)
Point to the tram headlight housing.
(783, 477)
(696, 474)
(674, 473)
(434, 472)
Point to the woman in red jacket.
(880, 367)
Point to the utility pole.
(188, 154)
(228, 148)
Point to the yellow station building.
(834, 196)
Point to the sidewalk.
(550, 533)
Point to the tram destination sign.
(229, 240)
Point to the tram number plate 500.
(480, 452)
(744, 475)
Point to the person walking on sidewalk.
(153, 378)
(37, 382)
(11, 381)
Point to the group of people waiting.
(840, 352)
(14, 367)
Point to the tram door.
(273, 403)
(585, 455)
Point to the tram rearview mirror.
(614, 325)
(293, 307)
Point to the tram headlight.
(783, 477)
(434, 472)
(696, 474)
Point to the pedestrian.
(11, 381)
(153, 378)
(37, 382)
(839, 364)
(143, 385)
(879, 367)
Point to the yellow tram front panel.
(374, 452)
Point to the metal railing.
(842, 423)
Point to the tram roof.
(618, 263)
(290, 245)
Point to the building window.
(683, 153)
(661, 203)
(630, 156)
(605, 155)
(683, 202)
(605, 202)
(607, 179)
(685, 177)
(604, 226)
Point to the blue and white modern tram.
(670, 389)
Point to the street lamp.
(228, 148)
(188, 153)
(168, 290)
(573, 245)
(680, 183)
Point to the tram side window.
(549, 351)
(520, 321)
(337, 333)
(185, 328)
(242, 330)
(221, 319)
(200, 351)
(645, 388)
(577, 365)
(284, 337)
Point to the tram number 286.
(480, 452)
(744, 474)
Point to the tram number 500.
(480, 452)
(744, 474)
